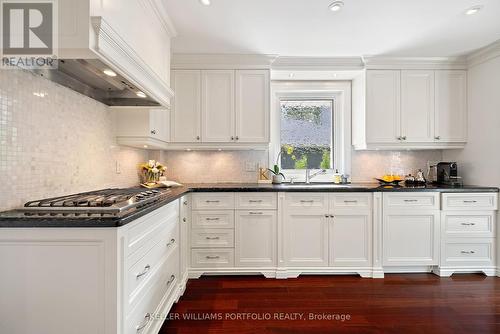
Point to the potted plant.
(151, 171)
(278, 177)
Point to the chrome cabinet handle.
(210, 219)
(144, 272)
(467, 252)
(172, 278)
(308, 201)
(353, 201)
(208, 201)
(470, 201)
(212, 238)
(437, 137)
(171, 242)
(468, 224)
(153, 132)
(256, 213)
(411, 200)
(212, 257)
(147, 318)
(255, 201)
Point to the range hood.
(87, 77)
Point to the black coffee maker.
(447, 174)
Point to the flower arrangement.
(152, 170)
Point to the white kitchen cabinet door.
(306, 239)
(185, 221)
(160, 124)
(383, 106)
(417, 106)
(186, 114)
(252, 106)
(255, 244)
(350, 240)
(411, 239)
(451, 106)
(217, 106)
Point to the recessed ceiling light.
(109, 72)
(205, 2)
(145, 146)
(140, 94)
(336, 6)
(473, 10)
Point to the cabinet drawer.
(212, 258)
(213, 219)
(140, 271)
(146, 228)
(459, 252)
(411, 201)
(468, 225)
(257, 201)
(216, 238)
(307, 202)
(470, 201)
(162, 284)
(350, 201)
(213, 201)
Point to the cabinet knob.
(399, 138)
(237, 138)
(197, 137)
(404, 137)
(232, 137)
(437, 137)
(153, 132)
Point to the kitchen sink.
(315, 185)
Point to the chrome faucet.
(309, 176)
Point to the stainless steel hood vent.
(86, 76)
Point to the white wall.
(479, 162)
(54, 141)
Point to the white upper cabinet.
(451, 106)
(410, 109)
(252, 106)
(383, 106)
(220, 109)
(417, 106)
(217, 107)
(186, 114)
(142, 127)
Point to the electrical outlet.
(118, 167)
(250, 166)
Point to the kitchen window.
(311, 129)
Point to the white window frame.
(340, 93)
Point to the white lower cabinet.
(306, 239)
(411, 239)
(255, 238)
(350, 240)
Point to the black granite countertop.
(16, 219)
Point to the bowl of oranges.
(390, 179)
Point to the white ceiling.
(308, 28)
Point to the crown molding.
(484, 54)
(414, 63)
(318, 63)
(158, 10)
(193, 61)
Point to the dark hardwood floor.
(409, 303)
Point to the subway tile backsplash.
(54, 141)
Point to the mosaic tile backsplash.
(54, 141)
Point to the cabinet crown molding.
(414, 63)
(191, 61)
(318, 63)
(484, 54)
(158, 10)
